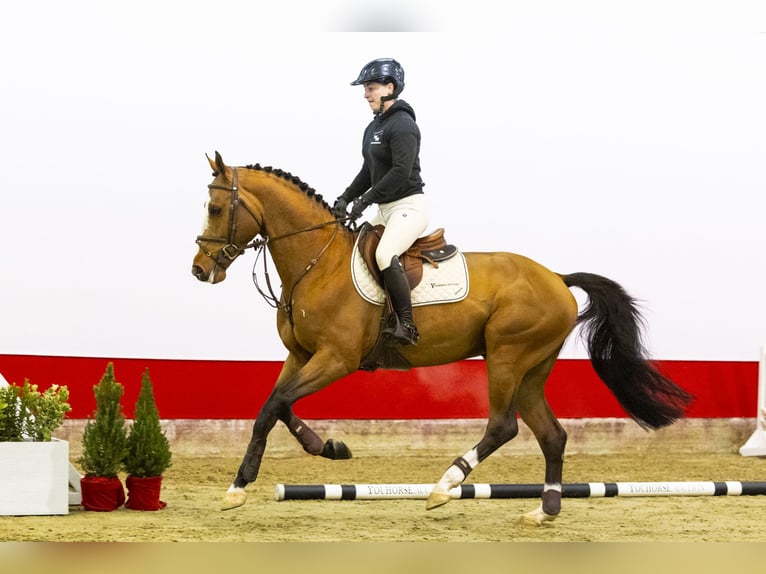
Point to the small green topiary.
(105, 436)
(148, 452)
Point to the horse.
(516, 316)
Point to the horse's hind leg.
(552, 438)
(499, 431)
(502, 426)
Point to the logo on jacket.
(376, 137)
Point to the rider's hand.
(360, 204)
(339, 208)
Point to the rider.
(390, 177)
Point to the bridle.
(231, 250)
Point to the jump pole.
(484, 491)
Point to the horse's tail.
(611, 326)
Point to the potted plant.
(103, 447)
(148, 453)
(34, 475)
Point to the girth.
(431, 248)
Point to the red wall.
(236, 389)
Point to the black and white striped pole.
(486, 491)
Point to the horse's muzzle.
(199, 272)
(214, 275)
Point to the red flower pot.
(101, 493)
(144, 493)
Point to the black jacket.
(391, 152)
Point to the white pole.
(571, 490)
(756, 444)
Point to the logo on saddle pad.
(433, 279)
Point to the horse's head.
(229, 225)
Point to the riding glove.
(360, 204)
(339, 207)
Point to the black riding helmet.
(383, 70)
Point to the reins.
(231, 250)
(259, 246)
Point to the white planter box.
(34, 478)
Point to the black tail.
(612, 327)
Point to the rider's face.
(374, 91)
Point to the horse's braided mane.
(303, 186)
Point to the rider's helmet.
(383, 70)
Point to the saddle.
(432, 248)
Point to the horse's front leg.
(251, 463)
(312, 443)
(308, 439)
(293, 383)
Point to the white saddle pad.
(446, 284)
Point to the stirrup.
(403, 332)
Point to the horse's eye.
(214, 210)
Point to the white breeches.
(405, 220)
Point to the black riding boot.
(404, 330)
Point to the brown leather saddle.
(432, 249)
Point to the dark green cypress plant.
(148, 452)
(105, 436)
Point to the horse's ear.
(219, 165)
(212, 163)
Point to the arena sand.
(194, 485)
(626, 535)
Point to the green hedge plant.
(26, 413)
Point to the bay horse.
(516, 316)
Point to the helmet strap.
(383, 100)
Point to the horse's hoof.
(336, 450)
(437, 499)
(234, 498)
(536, 518)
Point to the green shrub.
(11, 426)
(27, 413)
(148, 452)
(105, 435)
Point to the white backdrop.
(622, 138)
